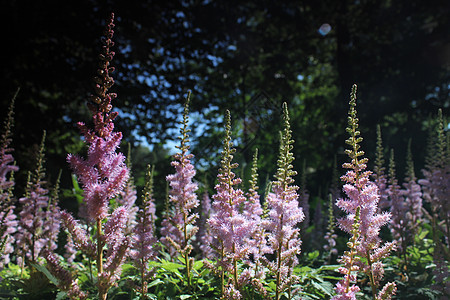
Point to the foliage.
(255, 236)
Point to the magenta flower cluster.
(363, 222)
(39, 219)
(230, 227)
(144, 249)
(103, 175)
(179, 227)
(284, 215)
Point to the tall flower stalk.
(379, 173)
(284, 215)
(52, 221)
(204, 237)
(398, 224)
(128, 196)
(254, 211)
(183, 198)
(330, 236)
(362, 222)
(144, 239)
(229, 226)
(436, 191)
(257, 239)
(413, 196)
(8, 220)
(31, 235)
(103, 175)
(436, 185)
(65, 279)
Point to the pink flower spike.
(363, 220)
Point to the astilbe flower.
(441, 273)
(435, 187)
(436, 183)
(66, 282)
(127, 197)
(330, 236)
(204, 237)
(412, 193)
(284, 215)
(346, 288)
(183, 199)
(52, 221)
(33, 231)
(169, 231)
(117, 246)
(379, 174)
(8, 220)
(79, 236)
(70, 249)
(229, 226)
(362, 222)
(103, 175)
(257, 239)
(143, 248)
(398, 209)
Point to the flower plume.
(229, 226)
(284, 214)
(8, 220)
(362, 222)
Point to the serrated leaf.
(171, 266)
(325, 287)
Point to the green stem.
(235, 272)
(222, 273)
(372, 281)
(280, 248)
(186, 254)
(143, 282)
(102, 291)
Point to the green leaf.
(171, 266)
(155, 282)
(16, 270)
(46, 272)
(182, 297)
(325, 287)
(329, 267)
(313, 255)
(198, 265)
(61, 296)
(422, 234)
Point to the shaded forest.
(247, 57)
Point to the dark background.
(245, 56)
